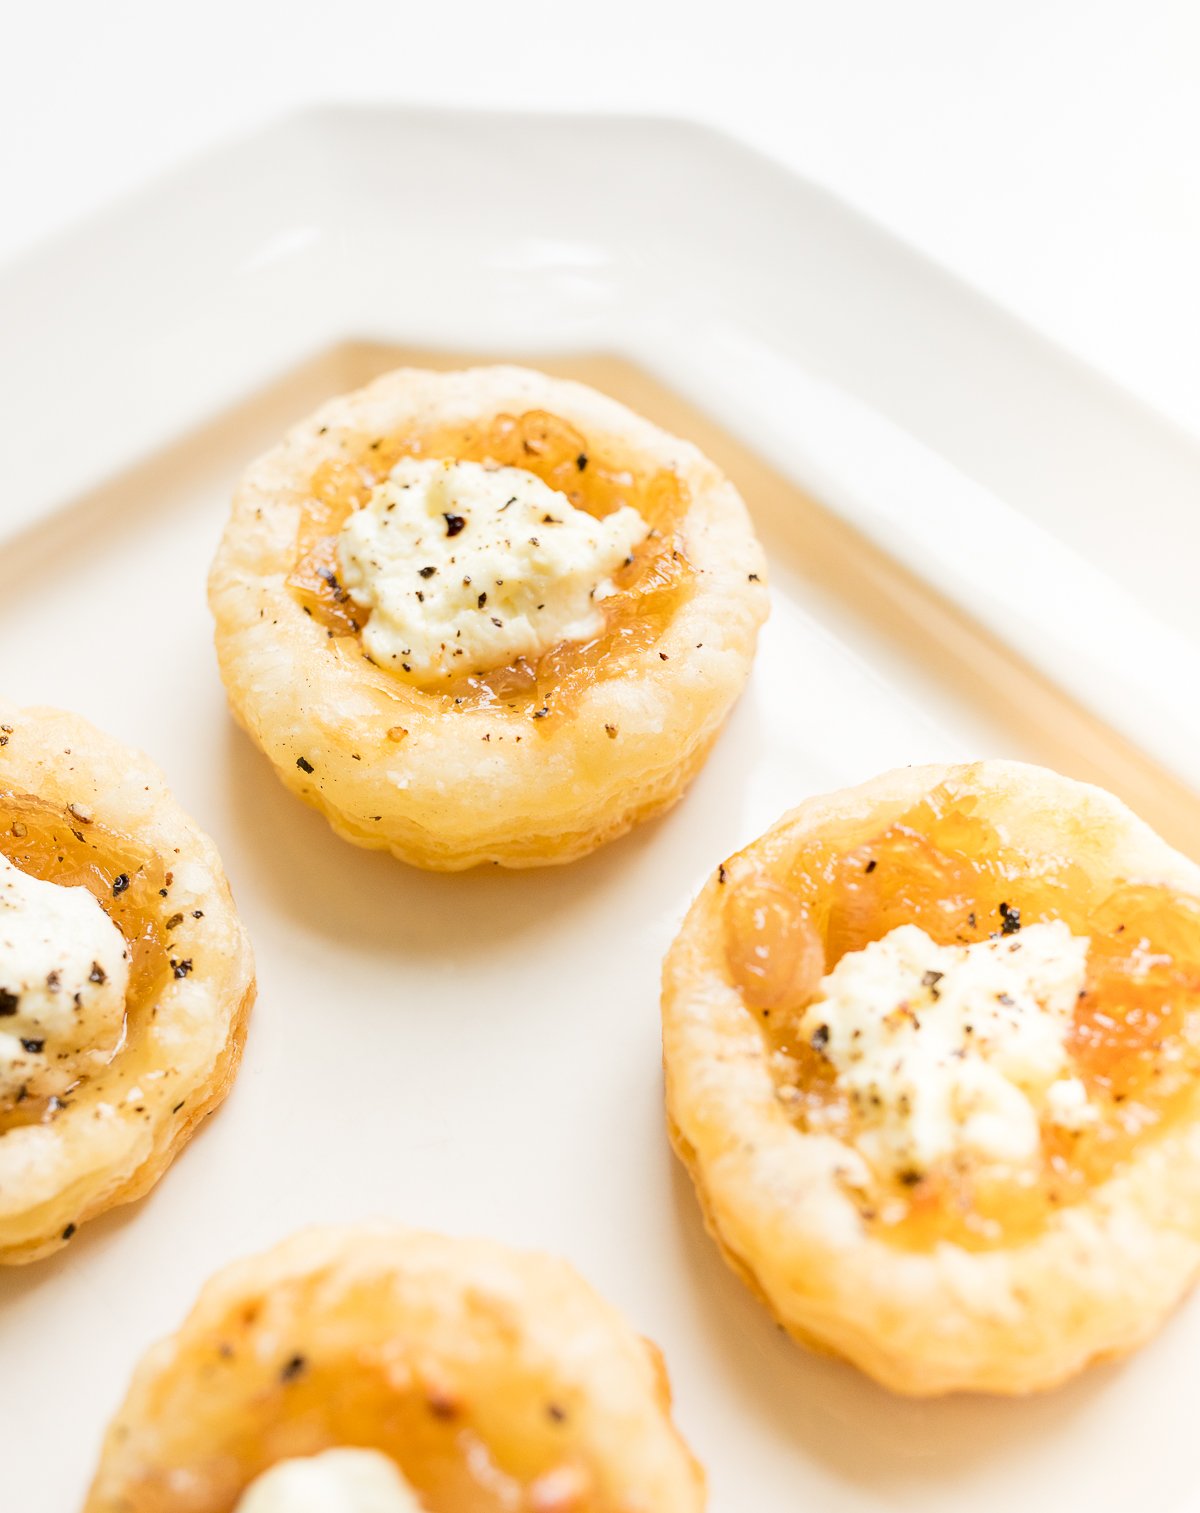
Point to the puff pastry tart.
(374, 1369)
(125, 978)
(932, 1050)
(485, 615)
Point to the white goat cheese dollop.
(466, 567)
(337, 1481)
(954, 1050)
(64, 972)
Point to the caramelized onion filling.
(649, 589)
(130, 884)
(1134, 1040)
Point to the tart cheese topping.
(466, 566)
(64, 973)
(948, 1050)
(336, 1481)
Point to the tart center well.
(105, 904)
(64, 972)
(641, 575)
(990, 1031)
(464, 567)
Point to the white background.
(1048, 151)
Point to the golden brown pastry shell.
(426, 1348)
(104, 1149)
(1093, 1283)
(444, 797)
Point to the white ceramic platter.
(481, 1053)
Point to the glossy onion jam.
(61, 846)
(1135, 1037)
(649, 589)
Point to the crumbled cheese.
(466, 566)
(955, 1050)
(64, 971)
(337, 1481)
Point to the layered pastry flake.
(373, 1369)
(485, 616)
(933, 1059)
(125, 978)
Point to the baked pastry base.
(473, 1366)
(1093, 1283)
(475, 785)
(109, 1145)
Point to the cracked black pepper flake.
(120, 883)
(68, 1232)
(330, 577)
(293, 1368)
(181, 968)
(581, 461)
(871, 865)
(197, 913)
(98, 974)
(909, 1177)
(1010, 919)
(454, 524)
(441, 1404)
(482, 600)
(820, 1037)
(428, 572)
(304, 764)
(8, 1003)
(175, 921)
(721, 873)
(931, 978)
(34, 1047)
(53, 981)
(540, 714)
(754, 578)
